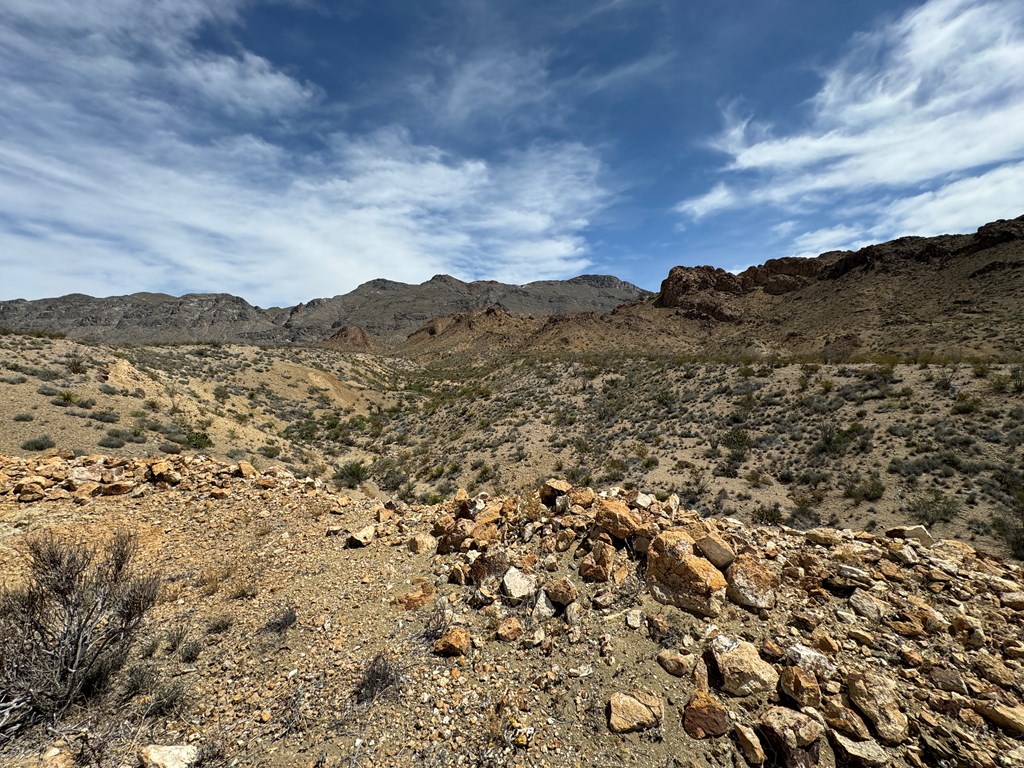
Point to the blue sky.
(288, 150)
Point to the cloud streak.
(907, 128)
(127, 163)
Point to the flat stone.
(916, 532)
(1005, 716)
(866, 606)
(636, 711)
(675, 663)
(716, 550)
(841, 718)
(552, 489)
(859, 753)
(156, 756)
(876, 697)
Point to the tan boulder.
(675, 663)
(704, 717)
(599, 563)
(637, 711)
(617, 519)
(155, 756)
(679, 578)
(716, 550)
(792, 735)
(562, 592)
(744, 672)
(454, 642)
(801, 686)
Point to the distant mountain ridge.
(384, 308)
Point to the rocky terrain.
(564, 627)
(381, 309)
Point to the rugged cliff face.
(382, 308)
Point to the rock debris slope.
(570, 628)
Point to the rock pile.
(824, 647)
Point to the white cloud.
(113, 180)
(931, 100)
(719, 198)
(838, 238)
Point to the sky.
(283, 151)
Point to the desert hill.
(381, 308)
(954, 294)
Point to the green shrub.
(933, 507)
(23, 417)
(38, 444)
(352, 474)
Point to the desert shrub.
(46, 390)
(109, 441)
(280, 621)
(198, 440)
(381, 675)
(106, 389)
(13, 379)
(871, 489)
(107, 417)
(933, 507)
(68, 629)
(38, 443)
(352, 474)
(763, 515)
(23, 417)
(270, 451)
(219, 624)
(168, 699)
(190, 651)
(138, 679)
(169, 447)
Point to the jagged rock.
(422, 542)
(704, 717)
(675, 663)
(801, 686)
(793, 736)
(517, 585)
(750, 583)
(155, 756)
(543, 608)
(454, 642)
(750, 744)
(811, 660)
(509, 629)
(824, 537)
(743, 671)
(949, 680)
(917, 532)
(636, 711)
(598, 564)
(363, 537)
(617, 519)
(859, 753)
(562, 592)
(552, 489)
(677, 577)
(877, 699)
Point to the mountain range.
(947, 293)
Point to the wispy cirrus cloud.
(908, 132)
(133, 157)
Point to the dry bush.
(68, 629)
